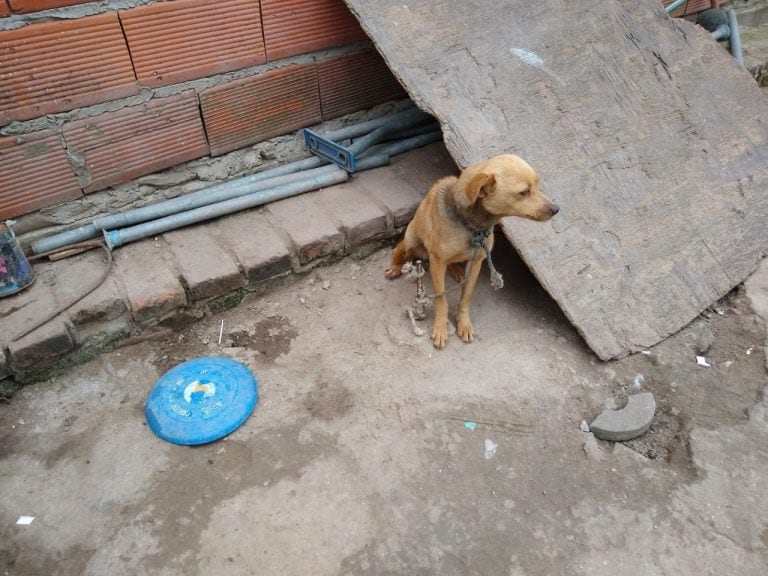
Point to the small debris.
(25, 520)
(326, 285)
(584, 426)
(490, 448)
(727, 363)
(638, 382)
(629, 422)
(701, 361)
(646, 352)
(470, 425)
(749, 350)
(221, 331)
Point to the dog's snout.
(554, 209)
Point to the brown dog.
(458, 211)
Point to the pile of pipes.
(370, 144)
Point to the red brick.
(174, 42)
(260, 107)
(119, 146)
(151, 286)
(355, 81)
(34, 173)
(260, 251)
(4, 12)
(690, 7)
(313, 234)
(299, 26)
(42, 347)
(353, 212)
(38, 5)
(205, 267)
(58, 66)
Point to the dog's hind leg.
(404, 252)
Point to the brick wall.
(90, 101)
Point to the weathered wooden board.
(645, 131)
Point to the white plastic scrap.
(25, 520)
(490, 448)
(701, 361)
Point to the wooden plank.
(647, 134)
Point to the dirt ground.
(357, 459)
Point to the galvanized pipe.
(211, 195)
(395, 148)
(735, 38)
(115, 238)
(383, 126)
(401, 121)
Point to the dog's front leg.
(463, 323)
(437, 268)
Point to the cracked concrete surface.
(357, 461)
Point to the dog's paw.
(457, 272)
(465, 331)
(440, 335)
(393, 272)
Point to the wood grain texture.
(647, 134)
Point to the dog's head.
(506, 185)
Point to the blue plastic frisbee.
(201, 400)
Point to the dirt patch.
(328, 401)
(270, 337)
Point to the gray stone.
(629, 422)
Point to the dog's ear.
(480, 186)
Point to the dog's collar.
(479, 236)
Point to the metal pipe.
(415, 131)
(363, 128)
(211, 195)
(401, 121)
(115, 238)
(382, 125)
(395, 148)
(676, 4)
(722, 32)
(735, 37)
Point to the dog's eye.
(526, 192)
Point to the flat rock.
(629, 422)
(663, 197)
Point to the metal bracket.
(329, 150)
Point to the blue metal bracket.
(327, 149)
